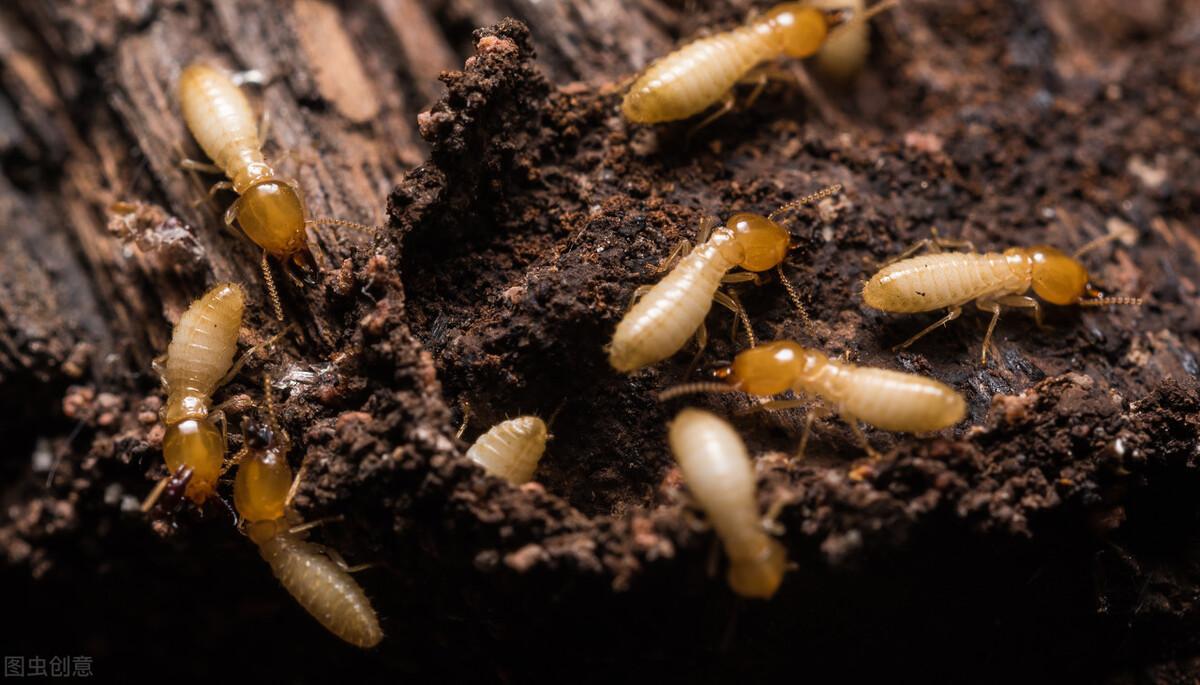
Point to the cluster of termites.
(716, 465)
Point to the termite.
(668, 313)
(845, 51)
(198, 360)
(314, 575)
(993, 280)
(511, 449)
(704, 72)
(720, 475)
(891, 400)
(269, 208)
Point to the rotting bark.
(1052, 535)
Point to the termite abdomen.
(511, 449)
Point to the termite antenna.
(1108, 301)
(794, 296)
(694, 389)
(343, 224)
(1098, 242)
(556, 412)
(807, 199)
(466, 412)
(856, 19)
(271, 290)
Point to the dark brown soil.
(1051, 536)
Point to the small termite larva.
(314, 575)
(198, 359)
(720, 475)
(993, 280)
(704, 72)
(269, 208)
(673, 310)
(891, 400)
(511, 449)
(846, 50)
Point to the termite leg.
(337, 559)
(235, 459)
(993, 307)
(1024, 302)
(152, 498)
(296, 488)
(707, 224)
(638, 293)
(212, 191)
(466, 413)
(732, 304)
(237, 366)
(816, 95)
(727, 103)
(317, 523)
(773, 405)
(862, 438)
(952, 314)
(680, 249)
(741, 277)
(203, 167)
(701, 343)
(934, 244)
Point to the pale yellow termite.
(846, 50)
(198, 359)
(720, 475)
(891, 400)
(314, 575)
(993, 280)
(669, 313)
(704, 72)
(511, 449)
(269, 208)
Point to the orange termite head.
(761, 243)
(771, 368)
(799, 28)
(272, 215)
(264, 478)
(759, 578)
(1057, 277)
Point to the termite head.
(799, 28)
(272, 215)
(759, 578)
(758, 243)
(1057, 277)
(771, 368)
(260, 490)
(197, 445)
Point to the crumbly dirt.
(1050, 536)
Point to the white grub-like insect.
(846, 50)
(511, 449)
(891, 400)
(704, 72)
(993, 280)
(269, 208)
(315, 575)
(659, 324)
(720, 475)
(197, 362)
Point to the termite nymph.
(891, 400)
(197, 362)
(668, 313)
(314, 575)
(718, 472)
(704, 72)
(993, 280)
(269, 208)
(511, 449)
